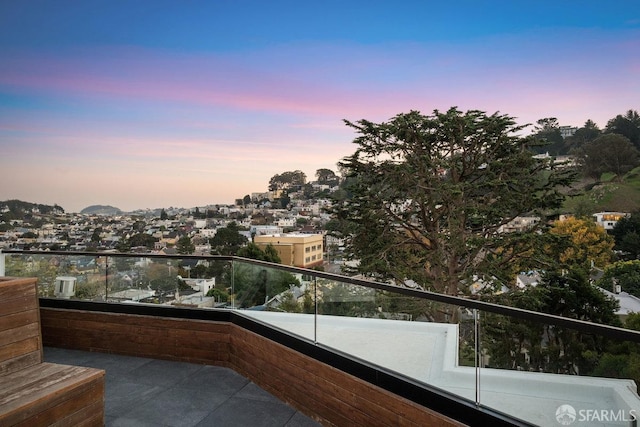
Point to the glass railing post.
(2, 263)
(233, 286)
(477, 351)
(315, 312)
(106, 278)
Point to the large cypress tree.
(428, 195)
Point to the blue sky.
(164, 103)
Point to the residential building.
(608, 220)
(300, 250)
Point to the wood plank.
(16, 305)
(89, 416)
(15, 349)
(39, 380)
(19, 333)
(20, 362)
(15, 288)
(65, 393)
(15, 320)
(65, 410)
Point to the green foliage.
(327, 177)
(287, 180)
(621, 195)
(185, 246)
(253, 251)
(582, 136)
(220, 295)
(622, 359)
(20, 210)
(626, 235)
(289, 304)
(609, 153)
(626, 274)
(254, 285)
(428, 195)
(527, 345)
(227, 240)
(627, 125)
(95, 237)
(549, 137)
(141, 239)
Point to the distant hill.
(101, 210)
(18, 208)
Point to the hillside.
(607, 195)
(18, 209)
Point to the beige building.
(300, 250)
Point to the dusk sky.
(148, 104)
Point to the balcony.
(339, 350)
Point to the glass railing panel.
(195, 283)
(61, 276)
(190, 283)
(414, 337)
(572, 376)
(275, 296)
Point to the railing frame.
(578, 325)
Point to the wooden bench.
(34, 392)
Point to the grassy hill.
(609, 194)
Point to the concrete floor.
(149, 392)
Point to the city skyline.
(158, 104)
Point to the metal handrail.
(519, 313)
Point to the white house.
(608, 220)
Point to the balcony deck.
(148, 392)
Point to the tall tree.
(626, 234)
(627, 125)
(253, 251)
(583, 135)
(528, 345)
(289, 179)
(428, 195)
(327, 177)
(609, 153)
(227, 240)
(548, 132)
(185, 246)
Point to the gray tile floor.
(159, 393)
